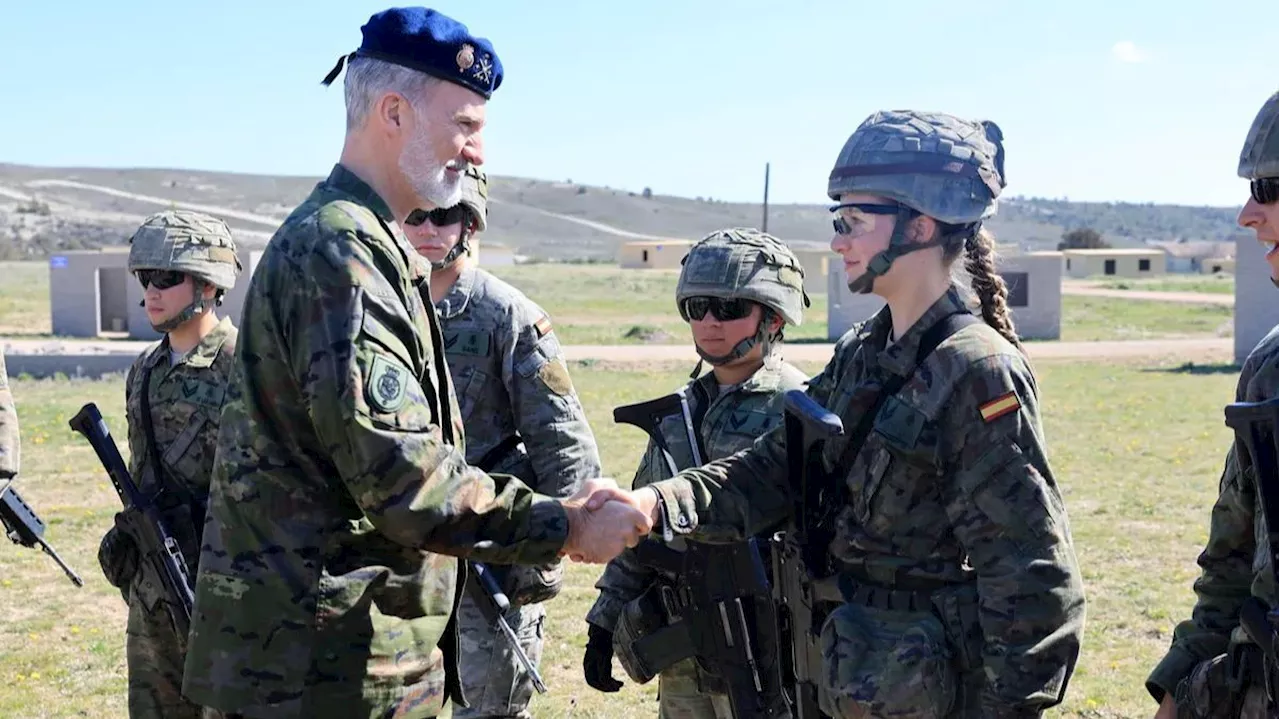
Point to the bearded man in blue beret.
(341, 502)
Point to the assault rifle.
(1254, 424)
(26, 528)
(796, 591)
(725, 613)
(159, 553)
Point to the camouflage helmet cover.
(745, 263)
(1258, 157)
(475, 196)
(943, 166)
(191, 242)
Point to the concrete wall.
(653, 255)
(1127, 263)
(1223, 265)
(88, 289)
(815, 264)
(1256, 308)
(1035, 296)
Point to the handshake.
(605, 519)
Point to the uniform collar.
(347, 182)
(203, 354)
(900, 358)
(766, 380)
(459, 295)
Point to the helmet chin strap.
(461, 246)
(898, 246)
(199, 305)
(762, 337)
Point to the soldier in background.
(174, 393)
(10, 441)
(950, 558)
(1214, 669)
(522, 417)
(738, 290)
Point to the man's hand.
(600, 534)
(1168, 709)
(643, 499)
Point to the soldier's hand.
(598, 535)
(1168, 709)
(644, 499)
(597, 662)
(118, 556)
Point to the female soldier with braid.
(955, 583)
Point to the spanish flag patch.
(999, 407)
(543, 325)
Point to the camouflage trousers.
(681, 695)
(1207, 694)
(155, 653)
(493, 679)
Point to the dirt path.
(272, 222)
(1200, 298)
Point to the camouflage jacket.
(732, 421)
(520, 411)
(512, 382)
(951, 486)
(10, 444)
(1235, 563)
(341, 496)
(186, 408)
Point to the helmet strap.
(462, 245)
(899, 245)
(762, 337)
(199, 305)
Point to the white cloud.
(1126, 51)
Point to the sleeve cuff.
(548, 530)
(678, 512)
(1171, 670)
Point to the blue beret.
(427, 41)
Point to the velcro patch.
(387, 384)
(999, 407)
(467, 342)
(543, 326)
(556, 377)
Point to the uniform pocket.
(880, 664)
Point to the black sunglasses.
(724, 310)
(1265, 190)
(842, 227)
(160, 279)
(439, 217)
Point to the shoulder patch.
(555, 376)
(999, 407)
(543, 326)
(387, 384)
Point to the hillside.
(46, 209)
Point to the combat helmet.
(929, 163)
(475, 197)
(193, 243)
(745, 263)
(1258, 157)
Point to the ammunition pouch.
(651, 635)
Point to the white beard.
(426, 175)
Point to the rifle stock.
(160, 554)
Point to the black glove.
(118, 555)
(597, 662)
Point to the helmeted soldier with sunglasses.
(1222, 661)
(738, 290)
(174, 393)
(522, 416)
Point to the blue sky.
(1125, 100)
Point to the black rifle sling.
(934, 336)
(182, 493)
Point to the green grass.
(1086, 318)
(1220, 284)
(24, 299)
(1136, 448)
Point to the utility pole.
(765, 222)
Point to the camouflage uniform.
(185, 401)
(324, 588)
(735, 263)
(522, 417)
(962, 595)
(10, 444)
(1236, 563)
(730, 421)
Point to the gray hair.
(369, 78)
